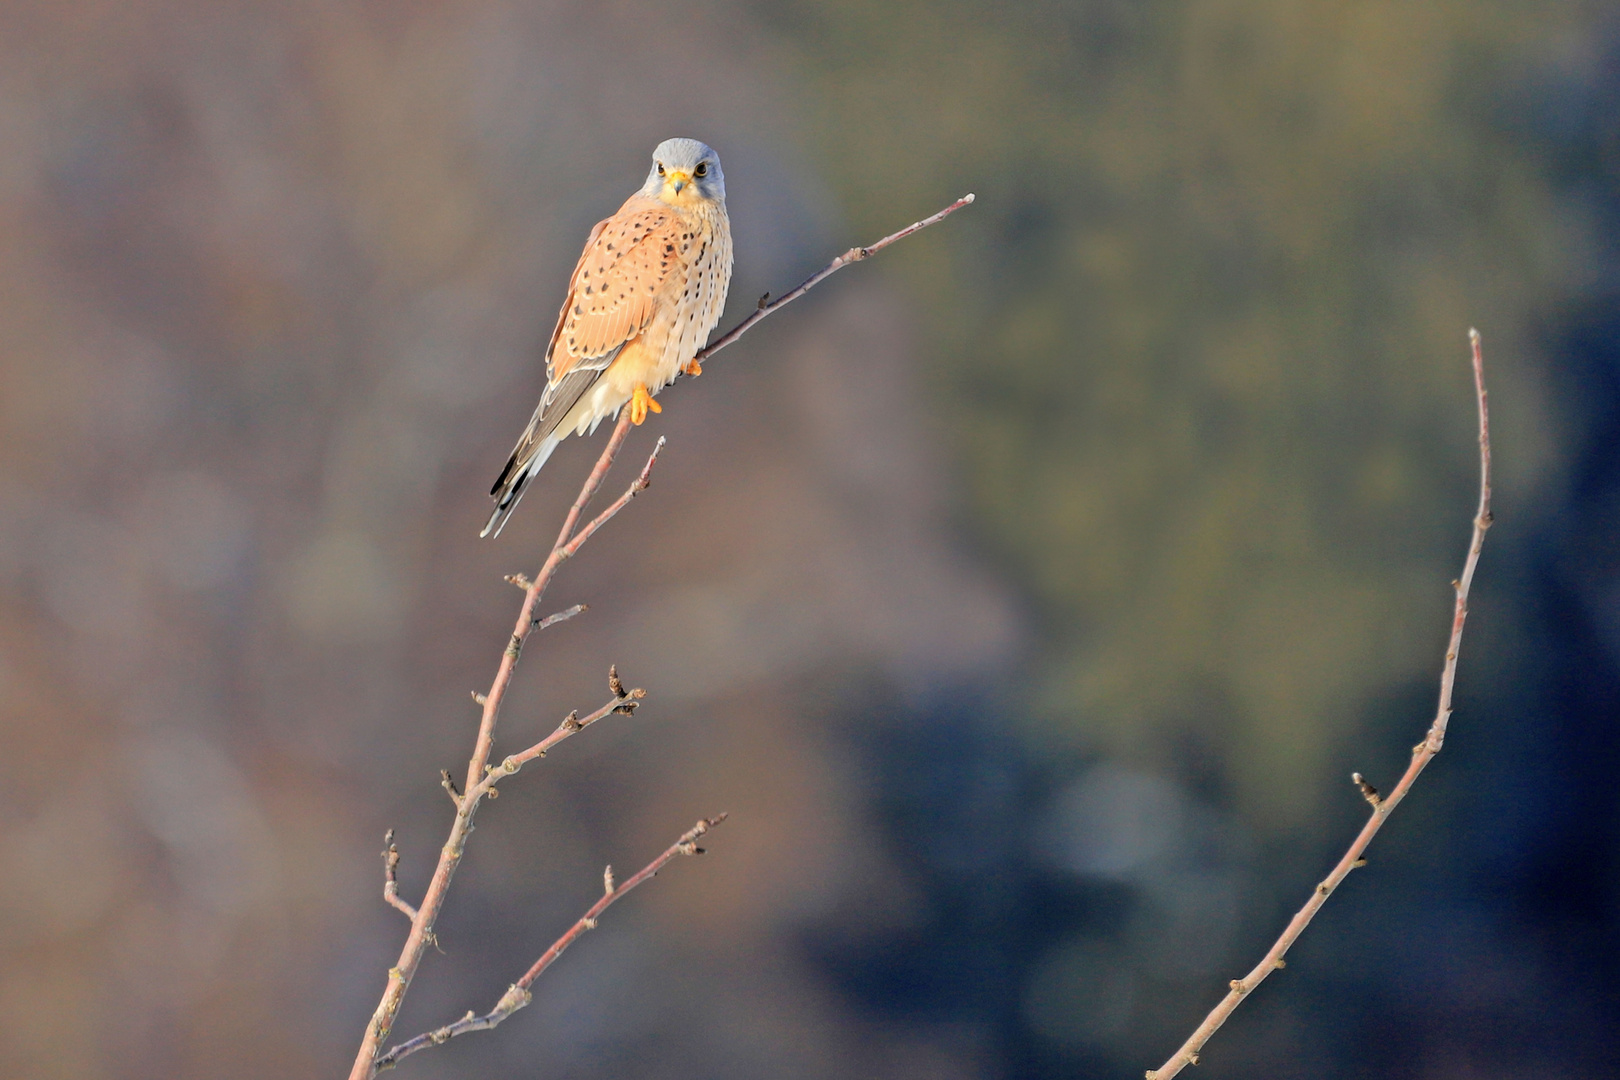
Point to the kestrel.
(647, 291)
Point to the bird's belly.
(646, 361)
(642, 362)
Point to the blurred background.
(1027, 595)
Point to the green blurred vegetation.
(1201, 342)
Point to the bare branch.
(853, 255)
(572, 724)
(421, 934)
(640, 484)
(390, 857)
(481, 776)
(518, 994)
(1422, 753)
(561, 616)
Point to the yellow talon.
(641, 403)
(693, 368)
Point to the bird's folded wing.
(624, 274)
(628, 269)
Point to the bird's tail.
(509, 488)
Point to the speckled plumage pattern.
(645, 295)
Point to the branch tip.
(520, 580)
(559, 616)
(855, 254)
(1368, 792)
(644, 481)
(390, 858)
(608, 884)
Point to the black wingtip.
(500, 481)
(505, 502)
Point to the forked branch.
(518, 994)
(475, 789)
(482, 777)
(1383, 806)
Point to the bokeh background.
(1026, 595)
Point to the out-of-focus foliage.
(1203, 351)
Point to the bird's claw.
(642, 403)
(693, 368)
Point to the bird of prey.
(647, 291)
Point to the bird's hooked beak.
(677, 179)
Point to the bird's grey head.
(685, 171)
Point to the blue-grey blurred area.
(1027, 595)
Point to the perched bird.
(648, 289)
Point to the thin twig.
(518, 994)
(390, 857)
(562, 616)
(853, 255)
(640, 484)
(1422, 753)
(572, 724)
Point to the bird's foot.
(641, 403)
(693, 368)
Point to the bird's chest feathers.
(697, 242)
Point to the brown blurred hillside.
(1161, 450)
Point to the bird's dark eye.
(660, 168)
(702, 169)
